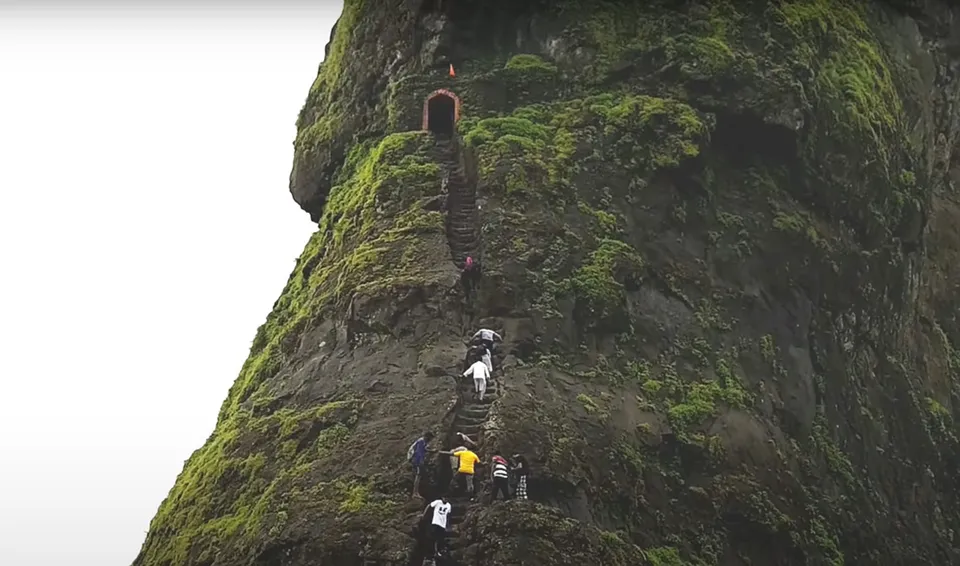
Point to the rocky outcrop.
(719, 239)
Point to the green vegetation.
(664, 556)
(527, 62)
(689, 403)
(596, 281)
(536, 143)
(837, 461)
(240, 487)
(372, 222)
(854, 84)
(590, 190)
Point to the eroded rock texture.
(721, 240)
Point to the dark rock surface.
(721, 243)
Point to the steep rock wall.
(720, 239)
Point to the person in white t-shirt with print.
(441, 508)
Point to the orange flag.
(452, 72)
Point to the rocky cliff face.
(721, 242)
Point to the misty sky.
(145, 231)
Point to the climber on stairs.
(487, 360)
(468, 461)
(500, 476)
(480, 376)
(441, 508)
(522, 469)
(417, 455)
(471, 274)
(467, 440)
(486, 337)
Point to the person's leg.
(438, 539)
(416, 480)
(481, 384)
(522, 488)
(469, 479)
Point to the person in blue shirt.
(417, 454)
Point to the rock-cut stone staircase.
(463, 218)
(469, 419)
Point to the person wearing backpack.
(417, 456)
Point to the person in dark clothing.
(522, 470)
(417, 454)
(470, 275)
(500, 476)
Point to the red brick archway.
(437, 98)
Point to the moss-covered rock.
(720, 242)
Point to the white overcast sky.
(145, 231)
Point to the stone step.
(469, 386)
(470, 430)
(461, 422)
(487, 400)
(475, 404)
(490, 390)
(474, 411)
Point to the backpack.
(411, 450)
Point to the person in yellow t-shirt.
(468, 461)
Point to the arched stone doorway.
(441, 111)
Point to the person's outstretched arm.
(497, 337)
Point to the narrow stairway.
(463, 218)
(469, 420)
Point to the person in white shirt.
(486, 337)
(480, 376)
(487, 361)
(441, 508)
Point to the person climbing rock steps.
(522, 469)
(441, 508)
(480, 376)
(417, 455)
(500, 477)
(467, 463)
(470, 275)
(487, 337)
(466, 440)
(487, 361)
